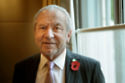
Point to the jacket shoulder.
(86, 63)
(29, 60)
(85, 59)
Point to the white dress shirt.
(58, 70)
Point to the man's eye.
(58, 28)
(42, 27)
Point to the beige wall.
(16, 33)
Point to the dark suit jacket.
(89, 71)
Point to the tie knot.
(51, 65)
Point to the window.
(98, 36)
(124, 10)
(93, 13)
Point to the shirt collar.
(59, 61)
(43, 61)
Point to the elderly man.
(55, 63)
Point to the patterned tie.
(50, 77)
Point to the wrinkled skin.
(51, 34)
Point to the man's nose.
(49, 33)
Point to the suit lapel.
(71, 76)
(68, 73)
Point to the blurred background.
(16, 33)
(99, 32)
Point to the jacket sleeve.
(97, 74)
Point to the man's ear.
(69, 35)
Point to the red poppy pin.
(75, 65)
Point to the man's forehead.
(53, 13)
(51, 16)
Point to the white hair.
(49, 7)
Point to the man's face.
(51, 35)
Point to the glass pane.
(124, 9)
(94, 13)
(108, 48)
